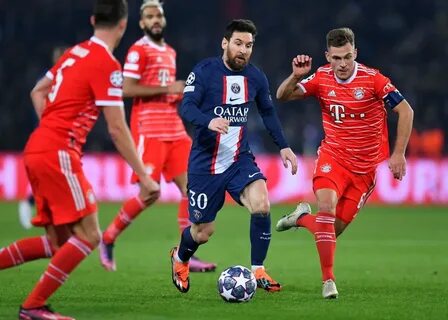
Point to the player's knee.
(262, 205)
(203, 236)
(326, 206)
(93, 237)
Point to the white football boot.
(290, 220)
(329, 290)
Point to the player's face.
(153, 22)
(238, 49)
(342, 60)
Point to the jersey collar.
(99, 42)
(353, 76)
(154, 45)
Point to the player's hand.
(149, 190)
(301, 65)
(397, 165)
(177, 87)
(220, 125)
(288, 156)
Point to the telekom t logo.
(337, 112)
(164, 77)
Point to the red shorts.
(169, 158)
(61, 191)
(352, 189)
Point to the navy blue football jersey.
(212, 90)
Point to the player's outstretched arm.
(288, 156)
(121, 136)
(132, 88)
(288, 89)
(39, 94)
(397, 161)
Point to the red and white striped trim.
(12, 256)
(72, 180)
(81, 246)
(21, 260)
(48, 274)
(47, 246)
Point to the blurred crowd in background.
(406, 40)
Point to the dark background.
(406, 40)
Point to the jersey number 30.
(59, 78)
(200, 200)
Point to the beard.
(236, 64)
(156, 37)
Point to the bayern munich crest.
(358, 93)
(325, 168)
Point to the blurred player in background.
(86, 80)
(158, 132)
(26, 206)
(219, 93)
(353, 99)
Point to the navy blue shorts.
(206, 193)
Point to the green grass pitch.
(392, 263)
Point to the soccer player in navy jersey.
(218, 95)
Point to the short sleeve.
(135, 63)
(106, 83)
(382, 85)
(310, 85)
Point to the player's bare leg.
(255, 198)
(196, 264)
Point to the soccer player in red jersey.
(86, 80)
(353, 99)
(158, 132)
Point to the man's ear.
(224, 43)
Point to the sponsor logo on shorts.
(90, 197)
(254, 174)
(197, 214)
(325, 168)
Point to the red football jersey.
(154, 65)
(353, 115)
(86, 78)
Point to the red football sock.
(128, 212)
(64, 261)
(326, 243)
(182, 215)
(25, 250)
(308, 221)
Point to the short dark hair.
(240, 25)
(340, 37)
(108, 13)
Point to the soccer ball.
(237, 284)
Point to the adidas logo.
(332, 93)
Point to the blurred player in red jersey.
(353, 98)
(159, 133)
(86, 80)
(26, 206)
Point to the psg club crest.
(235, 87)
(325, 168)
(358, 93)
(197, 214)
